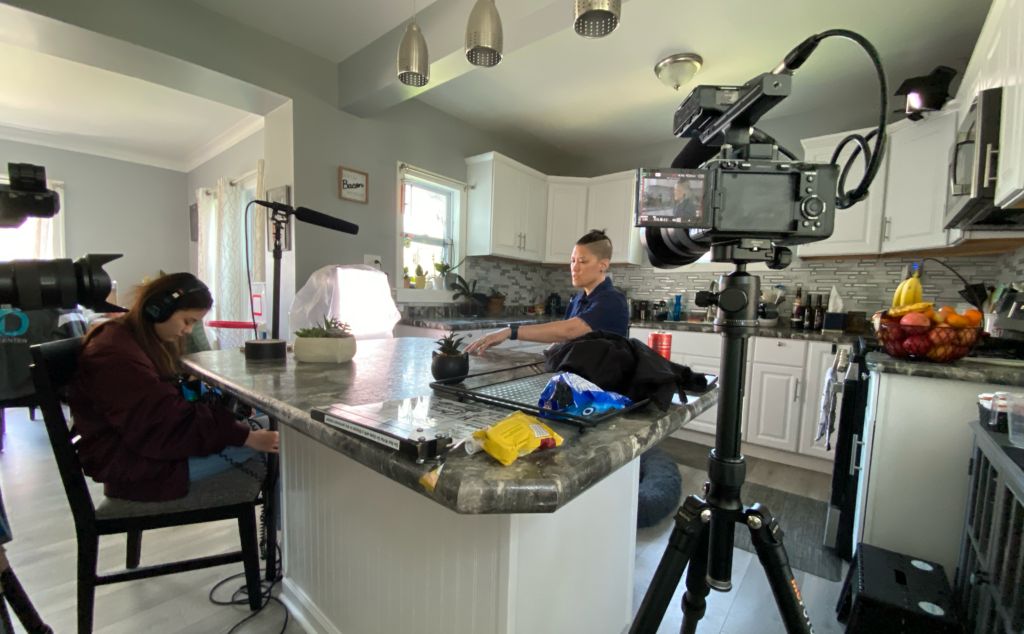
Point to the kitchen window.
(429, 221)
(36, 238)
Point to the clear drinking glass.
(1015, 405)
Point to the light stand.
(704, 530)
(273, 348)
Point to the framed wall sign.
(353, 185)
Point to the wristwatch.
(515, 331)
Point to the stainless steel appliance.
(1008, 322)
(973, 165)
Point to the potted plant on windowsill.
(421, 279)
(448, 361)
(447, 274)
(495, 302)
(471, 300)
(405, 277)
(329, 342)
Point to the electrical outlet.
(372, 260)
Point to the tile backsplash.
(865, 285)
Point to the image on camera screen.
(671, 199)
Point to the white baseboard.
(757, 451)
(303, 610)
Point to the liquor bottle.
(809, 313)
(796, 319)
(819, 314)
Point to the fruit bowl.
(937, 342)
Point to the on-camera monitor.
(670, 198)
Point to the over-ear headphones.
(161, 306)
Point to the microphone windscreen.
(323, 220)
(693, 155)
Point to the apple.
(915, 319)
(917, 345)
(942, 334)
(940, 353)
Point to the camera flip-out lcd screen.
(671, 198)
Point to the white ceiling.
(58, 103)
(333, 29)
(594, 96)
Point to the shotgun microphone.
(313, 217)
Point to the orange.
(928, 313)
(974, 315)
(958, 321)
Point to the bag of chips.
(572, 394)
(516, 435)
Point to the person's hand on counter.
(262, 440)
(488, 340)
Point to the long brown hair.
(165, 355)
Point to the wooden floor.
(43, 556)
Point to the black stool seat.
(890, 593)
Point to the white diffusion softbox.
(356, 294)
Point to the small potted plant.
(405, 277)
(495, 302)
(472, 301)
(448, 361)
(327, 342)
(421, 278)
(447, 274)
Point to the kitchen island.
(544, 545)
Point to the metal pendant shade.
(597, 18)
(413, 61)
(483, 35)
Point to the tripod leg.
(697, 588)
(767, 538)
(690, 529)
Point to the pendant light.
(597, 18)
(413, 61)
(483, 35)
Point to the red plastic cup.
(661, 342)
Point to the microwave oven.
(973, 165)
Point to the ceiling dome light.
(483, 35)
(413, 61)
(597, 18)
(679, 69)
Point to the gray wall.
(116, 207)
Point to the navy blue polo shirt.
(605, 308)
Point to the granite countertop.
(962, 370)
(775, 332)
(392, 369)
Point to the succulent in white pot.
(329, 342)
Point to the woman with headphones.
(139, 436)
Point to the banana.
(898, 295)
(918, 307)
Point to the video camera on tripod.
(36, 284)
(729, 192)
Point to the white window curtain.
(36, 238)
(222, 259)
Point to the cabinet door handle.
(989, 151)
(886, 227)
(854, 467)
(779, 344)
(796, 389)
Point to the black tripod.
(704, 530)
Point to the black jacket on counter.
(627, 366)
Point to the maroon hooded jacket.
(138, 431)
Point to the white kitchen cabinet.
(610, 203)
(858, 230)
(567, 217)
(773, 409)
(819, 360)
(507, 208)
(915, 189)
